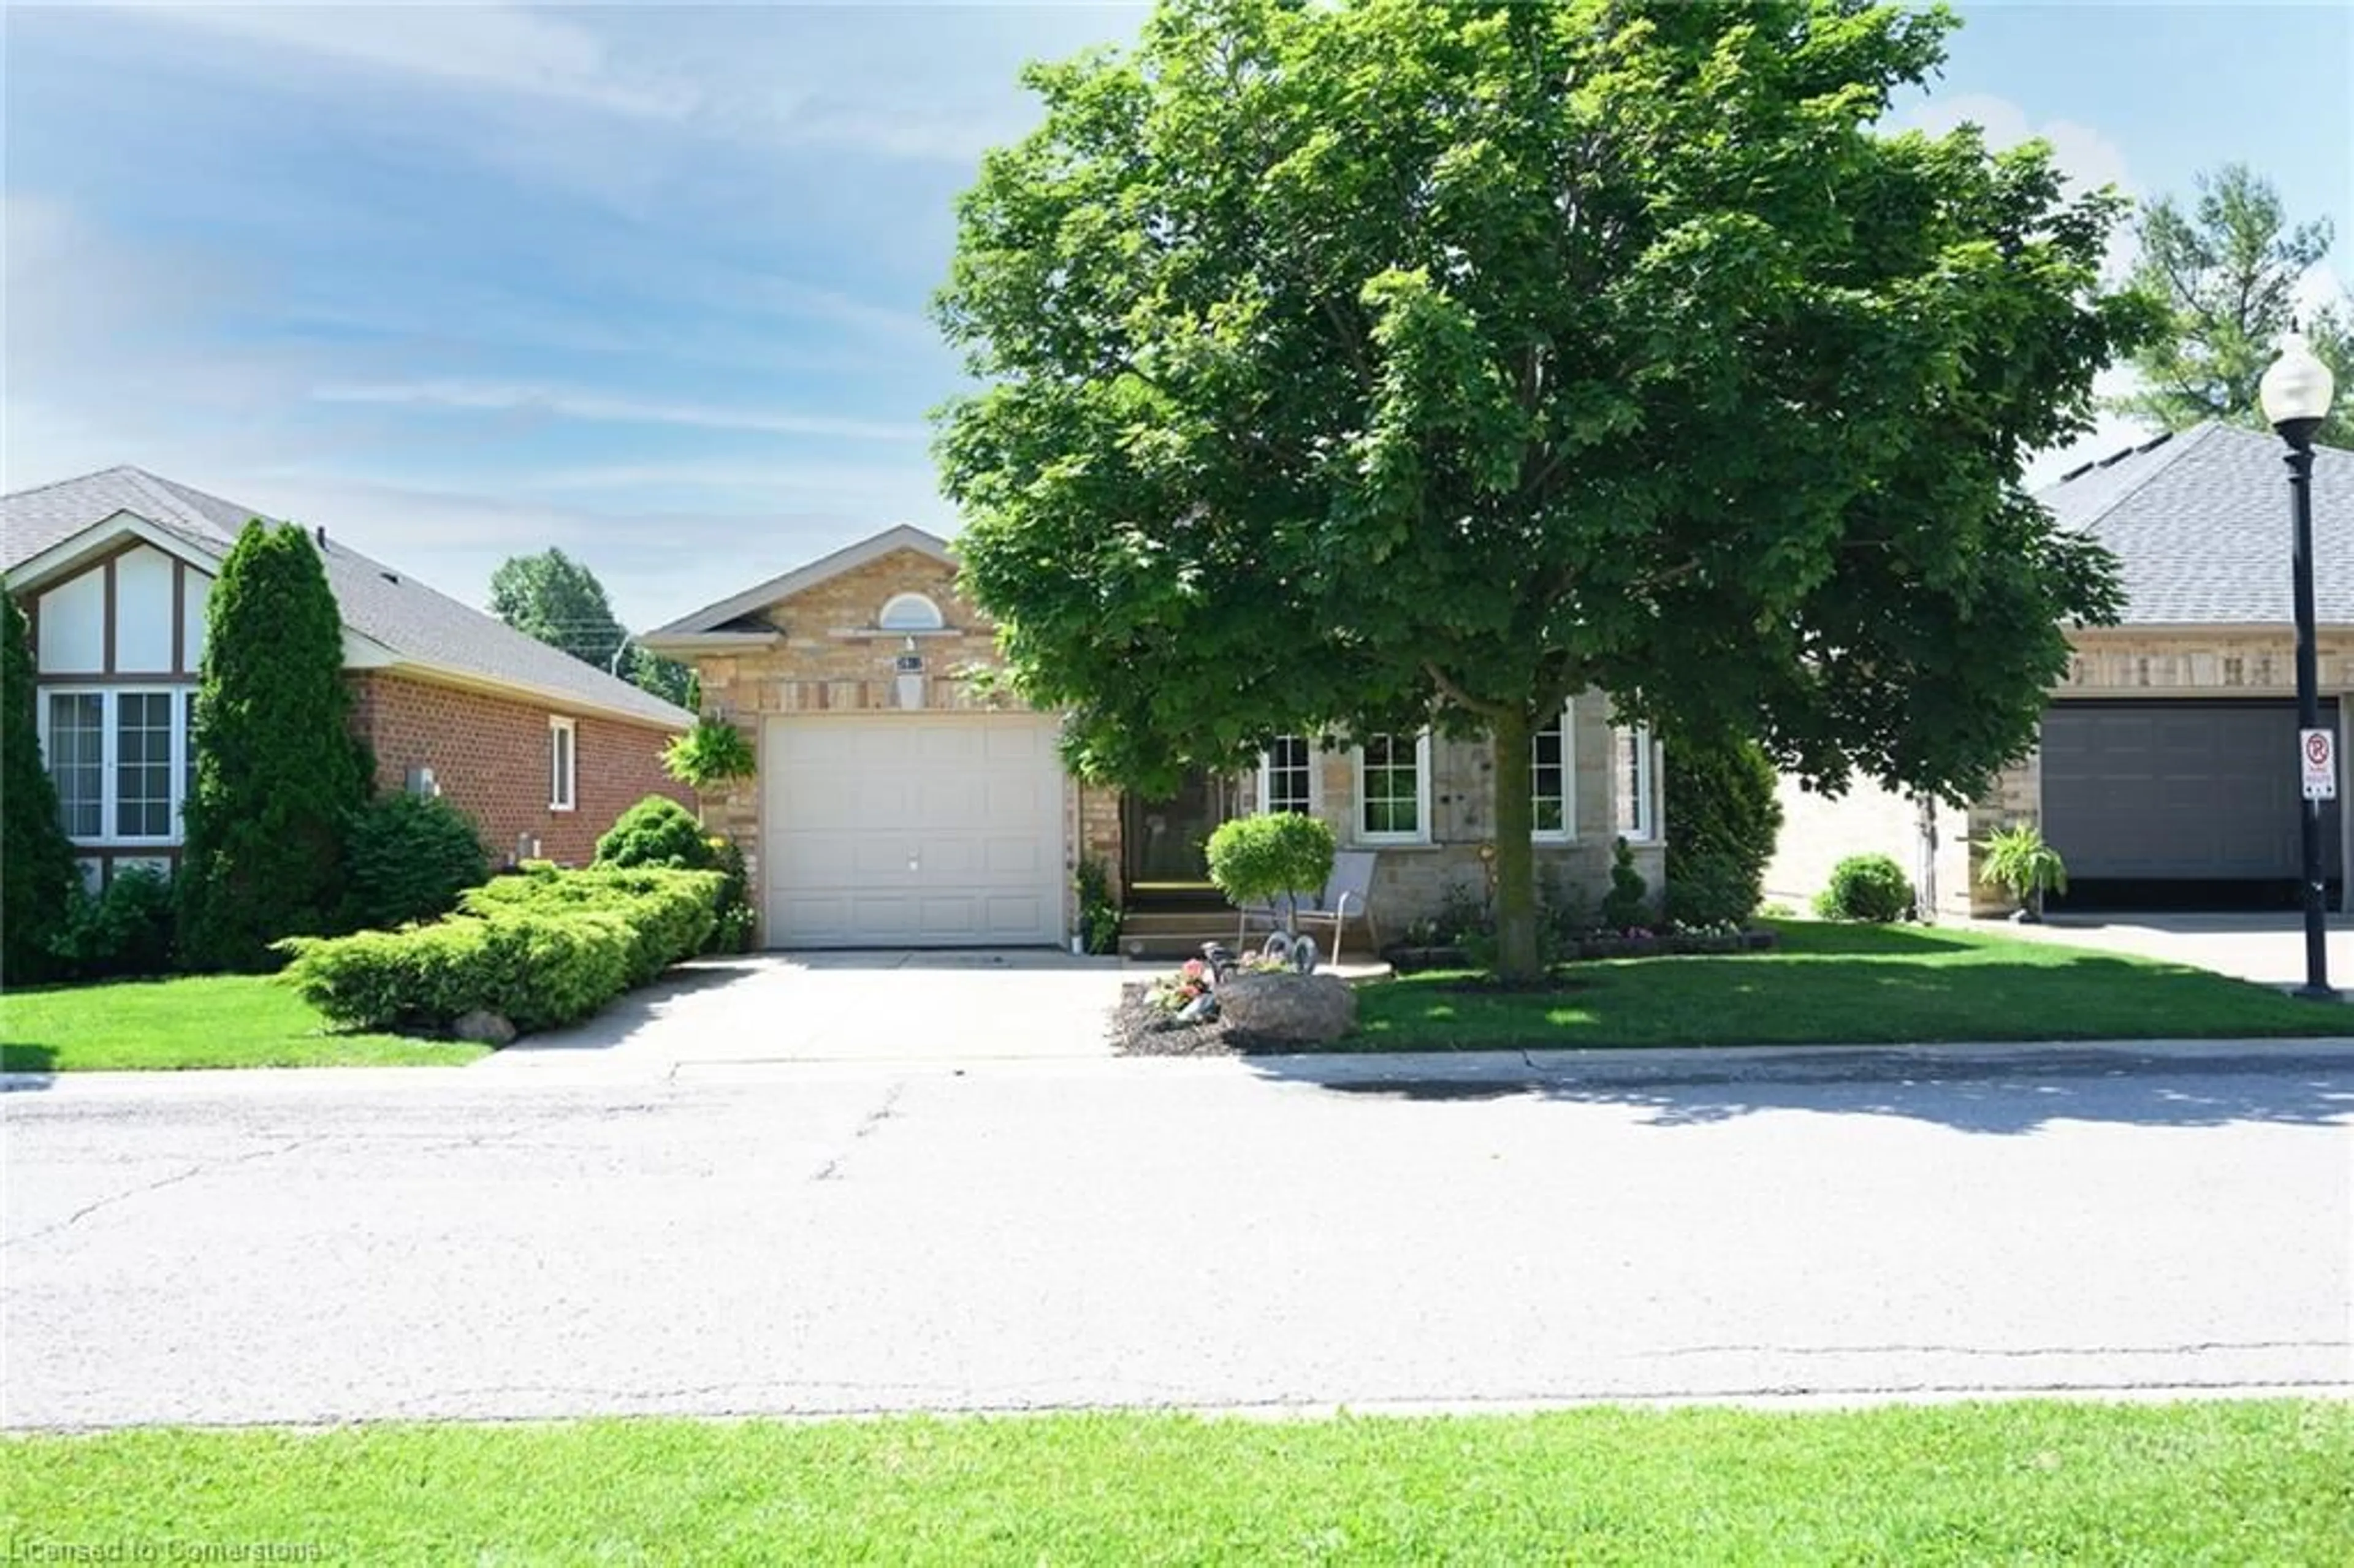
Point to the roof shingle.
(2200, 524)
(377, 601)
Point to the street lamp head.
(2296, 391)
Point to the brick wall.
(489, 757)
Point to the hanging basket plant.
(712, 754)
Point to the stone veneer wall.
(830, 658)
(1412, 880)
(2131, 662)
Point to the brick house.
(2165, 772)
(899, 804)
(112, 570)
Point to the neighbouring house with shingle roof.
(2167, 774)
(112, 570)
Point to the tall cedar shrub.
(277, 773)
(1726, 820)
(37, 879)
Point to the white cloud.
(565, 403)
(2320, 289)
(657, 562)
(494, 47)
(2088, 158)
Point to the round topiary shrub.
(1870, 887)
(657, 831)
(409, 856)
(1257, 860)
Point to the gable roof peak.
(849, 559)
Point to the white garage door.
(912, 830)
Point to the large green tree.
(2224, 273)
(1364, 365)
(560, 602)
(37, 861)
(278, 776)
(557, 599)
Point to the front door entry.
(1165, 842)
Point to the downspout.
(1925, 852)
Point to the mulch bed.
(1140, 1029)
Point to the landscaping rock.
(1288, 1008)
(484, 1028)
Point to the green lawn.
(1830, 984)
(2222, 1483)
(192, 1021)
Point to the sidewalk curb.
(1809, 1064)
(1722, 1064)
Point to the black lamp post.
(2295, 393)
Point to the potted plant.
(2018, 862)
(711, 755)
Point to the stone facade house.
(2165, 773)
(901, 802)
(112, 570)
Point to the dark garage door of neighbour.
(2180, 805)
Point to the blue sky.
(459, 282)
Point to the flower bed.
(1636, 943)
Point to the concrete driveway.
(2267, 949)
(841, 1007)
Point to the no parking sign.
(2316, 753)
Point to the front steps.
(1174, 933)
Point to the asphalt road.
(1202, 1234)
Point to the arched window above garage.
(910, 612)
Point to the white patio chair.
(1346, 896)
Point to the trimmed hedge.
(658, 830)
(543, 948)
(669, 912)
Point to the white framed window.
(187, 746)
(146, 781)
(563, 763)
(910, 612)
(1287, 776)
(1552, 780)
(1394, 790)
(1634, 789)
(119, 759)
